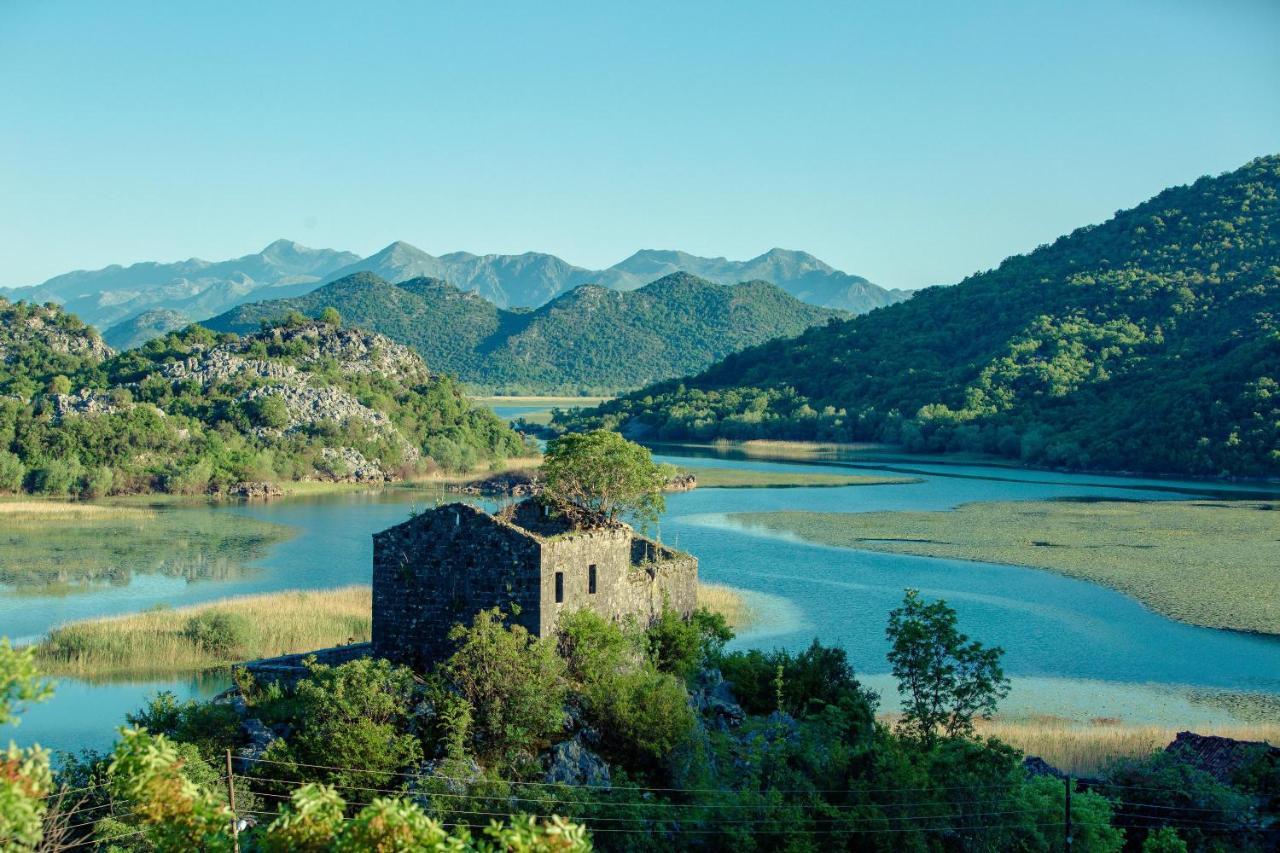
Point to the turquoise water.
(1059, 633)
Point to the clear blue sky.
(911, 143)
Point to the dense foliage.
(197, 411)
(1150, 342)
(590, 339)
(626, 732)
(602, 475)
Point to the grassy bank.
(728, 602)
(1210, 563)
(49, 547)
(738, 478)
(189, 639)
(1085, 750)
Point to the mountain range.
(173, 294)
(1150, 343)
(592, 337)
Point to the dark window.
(591, 579)
(559, 587)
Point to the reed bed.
(1210, 563)
(49, 510)
(729, 603)
(186, 639)
(1087, 749)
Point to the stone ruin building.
(441, 567)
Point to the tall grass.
(32, 511)
(728, 602)
(1087, 749)
(159, 642)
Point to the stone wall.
(634, 576)
(440, 569)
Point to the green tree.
(945, 679)
(330, 316)
(356, 715)
(1164, 840)
(12, 472)
(603, 475)
(514, 681)
(59, 385)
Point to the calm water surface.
(1071, 646)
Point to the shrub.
(268, 411)
(208, 727)
(642, 715)
(681, 646)
(218, 632)
(12, 472)
(355, 715)
(515, 683)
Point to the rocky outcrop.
(1221, 757)
(348, 465)
(260, 739)
(570, 762)
(681, 483)
(712, 697)
(252, 491)
(86, 401)
(60, 332)
(508, 483)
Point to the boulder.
(570, 762)
(713, 698)
(260, 738)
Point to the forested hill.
(196, 412)
(590, 338)
(1149, 343)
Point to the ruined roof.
(530, 518)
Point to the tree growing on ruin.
(604, 476)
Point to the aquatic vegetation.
(208, 635)
(49, 547)
(1090, 748)
(729, 603)
(1209, 563)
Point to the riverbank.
(1215, 564)
(219, 634)
(1088, 749)
(540, 400)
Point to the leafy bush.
(818, 677)
(356, 715)
(681, 646)
(210, 728)
(218, 632)
(515, 683)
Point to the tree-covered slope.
(591, 337)
(197, 412)
(1150, 342)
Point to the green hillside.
(1150, 342)
(590, 338)
(197, 412)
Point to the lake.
(1073, 648)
